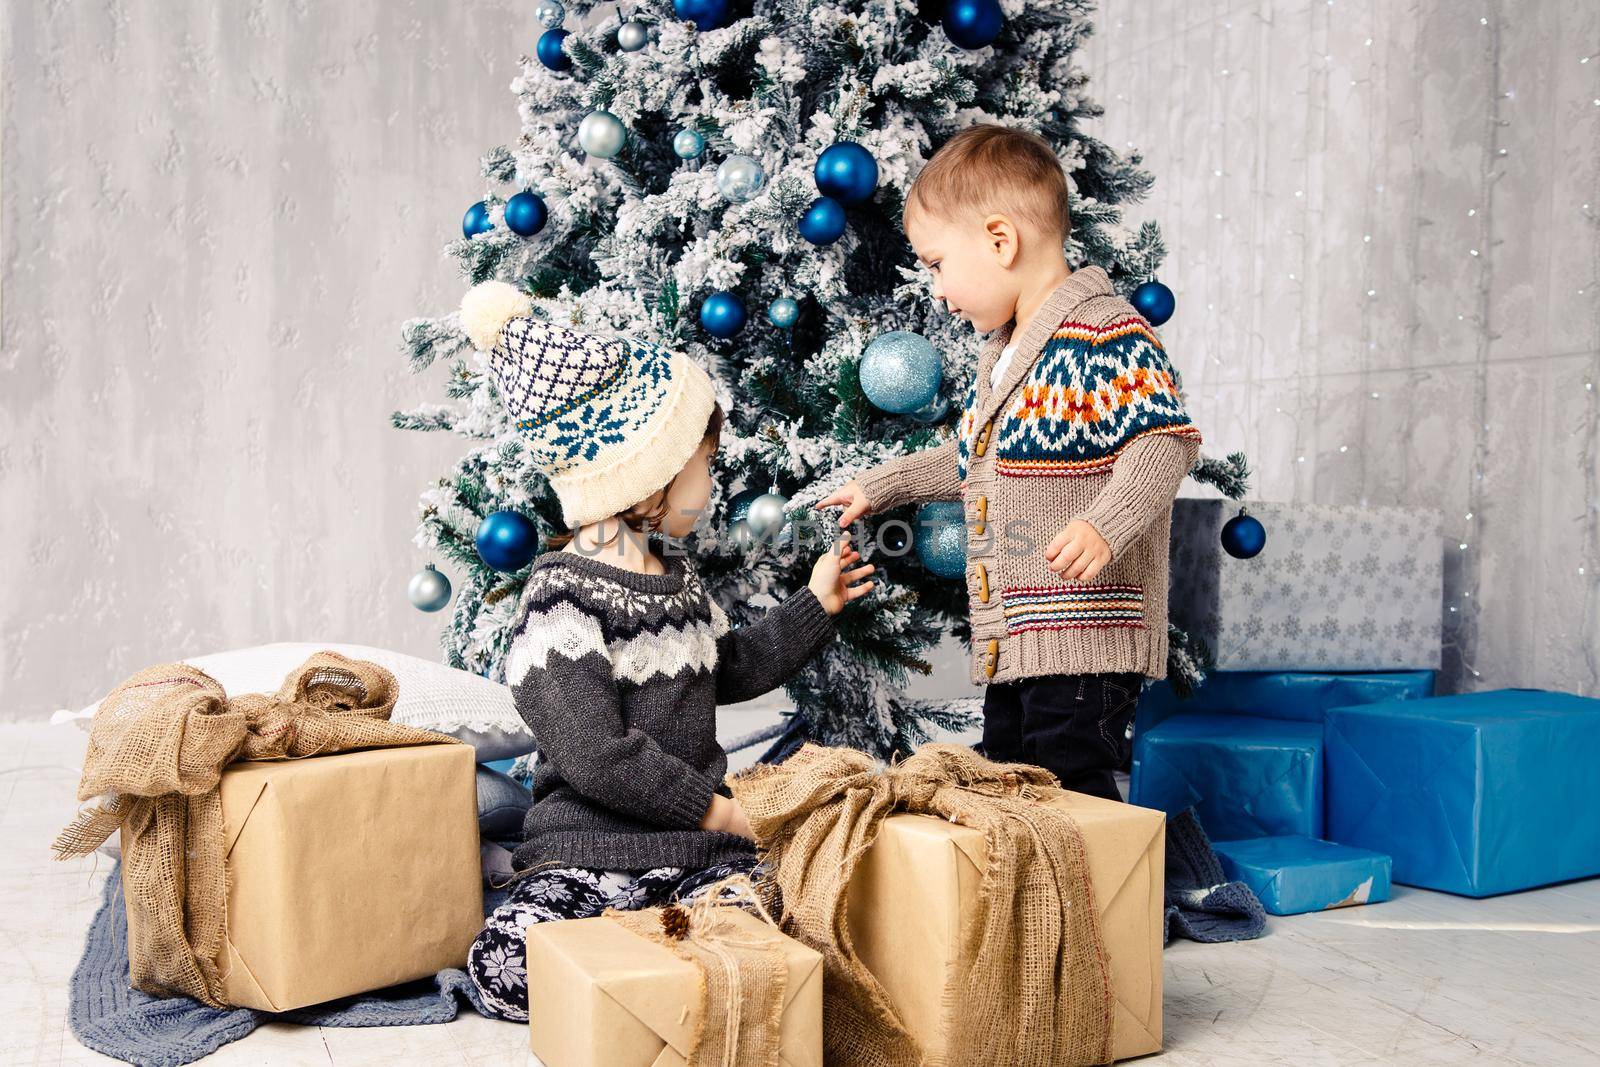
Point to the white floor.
(1424, 979)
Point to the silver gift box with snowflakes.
(1336, 587)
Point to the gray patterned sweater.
(619, 674)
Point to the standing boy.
(1070, 449)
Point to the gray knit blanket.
(109, 1016)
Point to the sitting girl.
(619, 657)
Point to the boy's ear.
(1001, 234)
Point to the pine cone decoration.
(675, 922)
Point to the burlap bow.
(744, 976)
(158, 745)
(1031, 985)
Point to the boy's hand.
(834, 585)
(854, 500)
(1078, 551)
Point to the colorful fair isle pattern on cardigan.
(1072, 608)
(1091, 392)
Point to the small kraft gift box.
(919, 879)
(605, 994)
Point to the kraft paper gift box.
(912, 887)
(1245, 776)
(1292, 875)
(1302, 695)
(348, 872)
(1336, 588)
(602, 996)
(1477, 794)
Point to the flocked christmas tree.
(665, 184)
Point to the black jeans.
(1073, 725)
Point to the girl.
(619, 657)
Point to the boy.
(1073, 415)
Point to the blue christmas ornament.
(739, 504)
(687, 143)
(722, 314)
(901, 371)
(972, 23)
(705, 14)
(942, 537)
(429, 590)
(823, 222)
(550, 12)
(476, 220)
(740, 178)
(550, 52)
(507, 540)
(601, 134)
(1243, 536)
(933, 411)
(783, 312)
(1155, 302)
(526, 214)
(847, 172)
(632, 36)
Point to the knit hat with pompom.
(608, 420)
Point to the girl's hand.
(727, 815)
(835, 587)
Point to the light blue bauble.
(601, 134)
(740, 178)
(783, 312)
(722, 314)
(632, 36)
(824, 221)
(429, 590)
(687, 144)
(901, 372)
(942, 538)
(934, 410)
(550, 13)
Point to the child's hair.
(988, 168)
(636, 519)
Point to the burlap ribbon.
(1031, 983)
(742, 977)
(158, 745)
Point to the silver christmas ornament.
(632, 36)
(766, 514)
(740, 178)
(601, 134)
(688, 143)
(550, 13)
(429, 590)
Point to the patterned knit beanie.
(609, 420)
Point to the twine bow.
(158, 745)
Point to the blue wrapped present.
(1293, 874)
(1476, 794)
(1245, 776)
(1303, 695)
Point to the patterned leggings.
(496, 962)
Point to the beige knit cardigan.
(1087, 423)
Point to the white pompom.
(487, 307)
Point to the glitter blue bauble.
(739, 504)
(705, 14)
(933, 411)
(972, 23)
(823, 222)
(722, 314)
(901, 371)
(525, 214)
(783, 312)
(1155, 302)
(846, 172)
(476, 220)
(550, 52)
(550, 12)
(601, 134)
(632, 36)
(942, 537)
(507, 540)
(687, 144)
(740, 178)
(429, 590)
(1243, 536)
